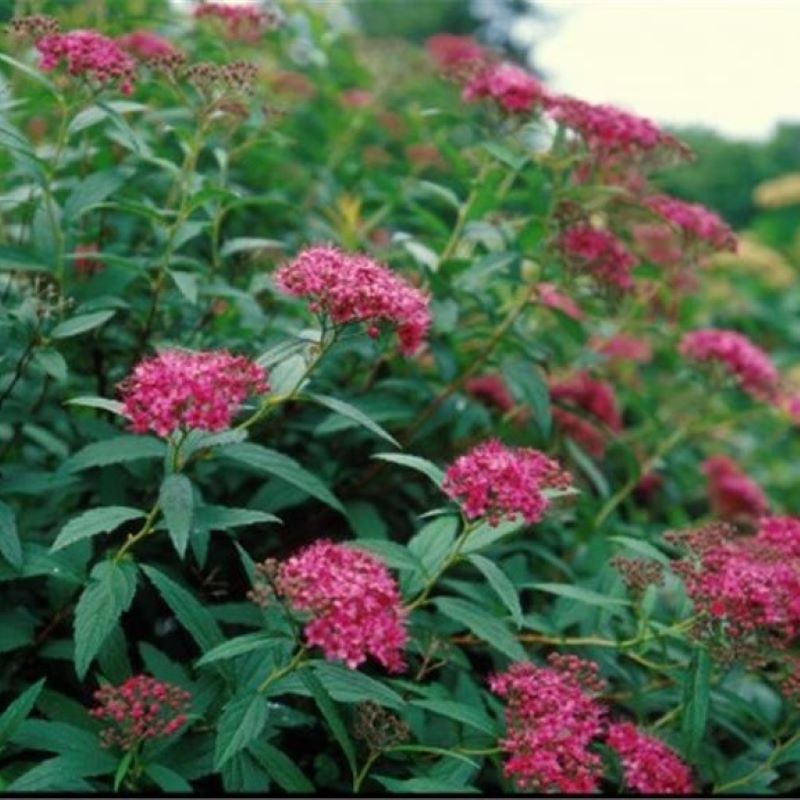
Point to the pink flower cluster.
(146, 45)
(623, 347)
(657, 243)
(696, 222)
(513, 89)
(492, 390)
(548, 295)
(649, 766)
(750, 365)
(601, 253)
(244, 22)
(353, 600)
(750, 583)
(552, 717)
(454, 53)
(141, 708)
(179, 389)
(608, 131)
(88, 54)
(734, 496)
(353, 288)
(597, 406)
(495, 481)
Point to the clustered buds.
(33, 27)
(734, 496)
(353, 288)
(184, 390)
(244, 22)
(495, 481)
(141, 708)
(378, 728)
(638, 573)
(237, 77)
(600, 254)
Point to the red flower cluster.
(624, 348)
(146, 45)
(491, 390)
(649, 766)
(600, 253)
(454, 53)
(353, 288)
(597, 404)
(141, 708)
(353, 600)
(734, 496)
(88, 54)
(495, 481)
(657, 243)
(244, 22)
(552, 717)
(513, 89)
(696, 222)
(750, 365)
(750, 584)
(179, 389)
(548, 295)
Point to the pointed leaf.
(90, 523)
(117, 450)
(415, 462)
(353, 413)
(176, 498)
(502, 586)
(241, 722)
(10, 546)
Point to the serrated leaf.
(117, 450)
(221, 518)
(102, 603)
(91, 523)
(578, 593)
(422, 465)
(10, 546)
(502, 586)
(433, 542)
(349, 686)
(486, 627)
(92, 190)
(281, 466)
(329, 711)
(240, 723)
(176, 498)
(191, 614)
(167, 779)
(16, 713)
(238, 646)
(461, 712)
(281, 768)
(353, 413)
(696, 701)
(82, 323)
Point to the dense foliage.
(370, 422)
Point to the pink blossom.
(550, 296)
(179, 389)
(657, 243)
(245, 22)
(353, 288)
(596, 404)
(696, 222)
(146, 45)
(513, 89)
(492, 390)
(88, 54)
(623, 347)
(141, 708)
(451, 52)
(552, 717)
(354, 603)
(600, 253)
(495, 481)
(748, 364)
(649, 766)
(781, 534)
(733, 495)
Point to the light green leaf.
(353, 413)
(90, 523)
(244, 243)
(578, 593)
(422, 465)
(186, 283)
(176, 498)
(81, 324)
(502, 586)
(114, 406)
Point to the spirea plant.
(368, 425)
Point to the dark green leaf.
(241, 722)
(422, 465)
(167, 779)
(353, 413)
(116, 450)
(19, 709)
(241, 644)
(502, 586)
(90, 523)
(176, 498)
(461, 712)
(281, 768)
(696, 701)
(92, 190)
(486, 627)
(578, 593)
(10, 546)
(81, 324)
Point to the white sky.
(733, 65)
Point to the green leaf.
(423, 786)
(485, 534)
(239, 645)
(241, 722)
(10, 546)
(281, 768)
(213, 518)
(578, 593)
(81, 324)
(433, 542)
(114, 406)
(243, 243)
(696, 701)
(16, 713)
(331, 714)
(60, 774)
(176, 498)
(108, 595)
(52, 362)
(92, 190)
(349, 686)
(271, 462)
(483, 625)
(422, 465)
(190, 612)
(502, 586)
(33, 74)
(167, 779)
(461, 712)
(353, 413)
(527, 386)
(395, 555)
(90, 523)
(642, 548)
(186, 283)
(117, 450)
(16, 260)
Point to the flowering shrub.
(377, 424)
